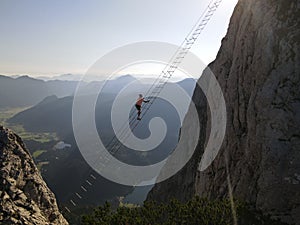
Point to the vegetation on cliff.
(196, 211)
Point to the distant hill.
(63, 77)
(26, 91)
(22, 91)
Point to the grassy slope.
(40, 138)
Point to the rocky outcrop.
(25, 197)
(258, 68)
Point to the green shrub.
(197, 211)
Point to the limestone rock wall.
(258, 68)
(25, 197)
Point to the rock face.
(258, 68)
(25, 197)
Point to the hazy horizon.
(55, 38)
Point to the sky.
(47, 38)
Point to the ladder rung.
(213, 6)
(73, 203)
(67, 209)
(83, 188)
(102, 165)
(92, 176)
(89, 183)
(78, 195)
(209, 15)
(199, 30)
(212, 9)
(198, 33)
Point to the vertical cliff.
(25, 197)
(258, 68)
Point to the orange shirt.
(139, 101)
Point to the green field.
(43, 137)
(38, 153)
(5, 114)
(41, 164)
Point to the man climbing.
(138, 105)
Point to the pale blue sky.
(68, 36)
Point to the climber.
(138, 105)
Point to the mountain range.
(66, 169)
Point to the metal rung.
(92, 176)
(83, 188)
(113, 148)
(67, 209)
(209, 14)
(101, 164)
(204, 24)
(213, 7)
(195, 36)
(162, 80)
(88, 182)
(198, 33)
(201, 29)
(201, 25)
(73, 203)
(118, 146)
(162, 83)
(180, 57)
(171, 72)
(78, 195)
